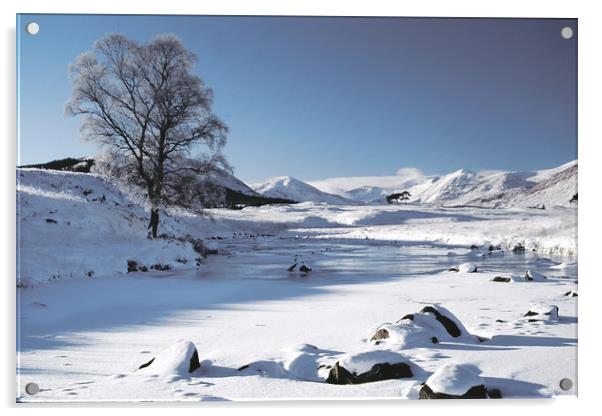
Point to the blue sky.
(323, 97)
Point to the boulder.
(453, 381)
(501, 279)
(445, 318)
(432, 324)
(181, 359)
(571, 293)
(371, 366)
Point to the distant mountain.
(290, 188)
(552, 187)
(549, 187)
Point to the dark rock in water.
(474, 247)
(51, 221)
(501, 279)
(453, 269)
(290, 269)
(500, 321)
(143, 268)
(519, 248)
(132, 266)
(449, 325)
(380, 334)
(571, 293)
(378, 372)
(476, 392)
(434, 340)
(531, 313)
(304, 269)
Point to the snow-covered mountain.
(285, 187)
(226, 180)
(550, 187)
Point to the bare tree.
(143, 104)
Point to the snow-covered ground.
(262, 332)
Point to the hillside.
(236, 193)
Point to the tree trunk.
(153, 225)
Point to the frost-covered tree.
(396, 197)
(151, 115)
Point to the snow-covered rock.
(464, 268)
(431, 325)
(542, 312)
(454, 381)
(307, 362)
(533, 276)
(371, 366)
(299, 265)
(180, 359)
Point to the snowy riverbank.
(84, 337)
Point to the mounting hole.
(566, 384)
(32, 388)
(32, 28)
(566, 32)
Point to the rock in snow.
(370, 366)
(571, 293)
(464, 268)
(532, 276)
(542, 313)
(179, 359)
(431, 325)
(452, 381)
